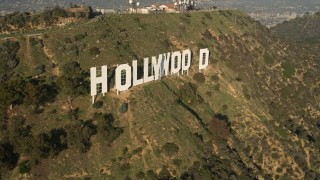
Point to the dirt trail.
(129, 118)
(307, 151)
(49, 54)
(28, 53)
(133, 136)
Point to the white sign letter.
(186, 60)
(123, 77)
(156, 66)
(135, 80)
(101, 81)
(204, 59)
(175, 62)
(164, 68)
(146, 77)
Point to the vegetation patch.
(97, 104)
(170, 149)
(268, 58)
(199, 77)
(288, 69)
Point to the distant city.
(268, 12)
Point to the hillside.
(57, 16)
(253, 113)
(302, 29)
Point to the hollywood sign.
(126, 76)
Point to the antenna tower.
(135, 4)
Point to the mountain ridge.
(302, 29)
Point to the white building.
(106, 11)
(139, 10)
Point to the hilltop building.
(139, 10)
(168, 7)
(177, 6)
(106, 11)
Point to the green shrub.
(58, 11)
(125, 167)
(238, 78)
(188, 93)
(215, 78)
(164, 174)
(74, 80)
(24, 167)
(288, 69)
(216, 87)
(73, 114)
(170, 149)
(136, 19)
(106, 129)
(82, 47)
(48, 144)
(199, 77)
(137, 151)
(94, 51)
(67, 40)
(73, 50)
(79, 37)
(98, 104)
(185, 19)
(8, 56)
(39, 69)
(140, 175)
(202, 44)
(177, 162)
(79, 135)
(151, 175)
(207, 15)
(207, 35)
(268, 59)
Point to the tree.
(74, 81)
(47, 17)
(11, 92)
(52, 143)
(106, 129)
(19, 134)
(79, 134)
(8, 56)
(37, 92)
(18, 19)
(8, 157)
